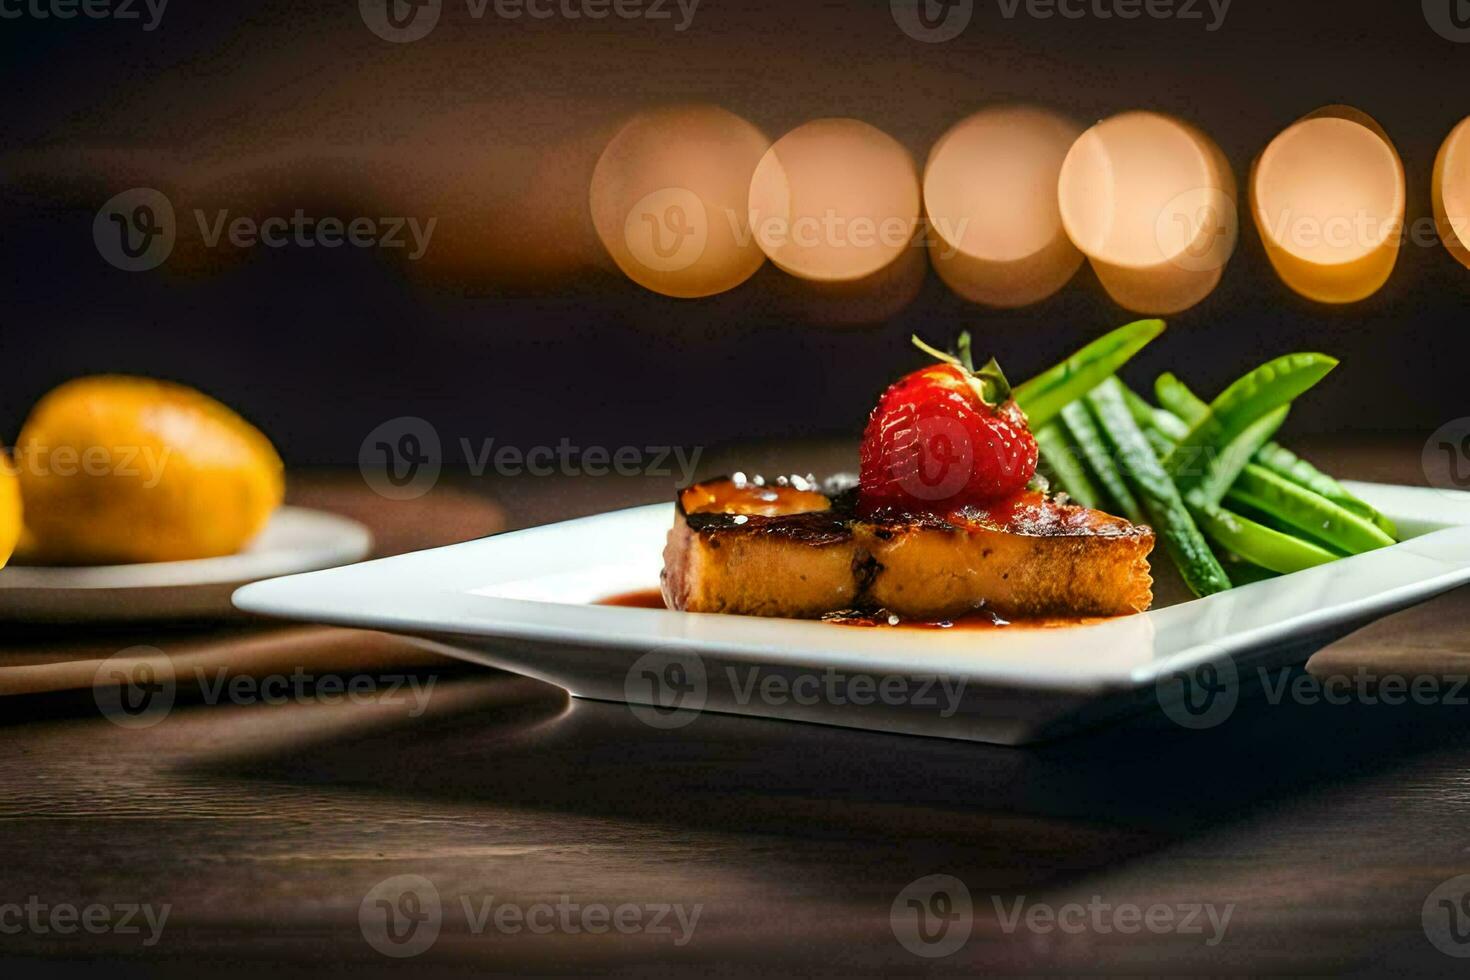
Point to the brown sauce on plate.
(974, 621)
(637, 599)
(653, 599)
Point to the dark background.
(522, 329)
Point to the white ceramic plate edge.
(335, 540)
(396, 595)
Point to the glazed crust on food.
(739, 547)
(757, 551)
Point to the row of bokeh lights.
(691, 201)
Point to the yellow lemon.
(9, 510)
(118, 469)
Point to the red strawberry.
(945, 437)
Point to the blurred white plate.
(526, 602)
(295, 540)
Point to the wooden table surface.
(271, 831)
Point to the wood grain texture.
(46, 658)
(265, 827)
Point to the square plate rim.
(360, 595)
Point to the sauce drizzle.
(979, 621)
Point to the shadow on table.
(1042, 813)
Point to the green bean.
(1099, 457)
(1258, 544)
(1158, 494)
(1288, 465)
(1242, 572)
(1142, 411)
(1226, 466)
(1275, 523)
(1044, 396)
(1064, 468)
(1175, 396)
(1285, 463)
(1169, 426)
(1162, 444)
(1262, 390)
(1308, 512)
(1161, 427)
(1222, 471)
(1295, 509)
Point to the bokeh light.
(1452, 192)
(861, 302)
(1328, 195)
(1151, 202)
(669, 200)
(835, 200)
(990, 197)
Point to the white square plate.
(525, 601)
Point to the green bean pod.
(1308, 512)
(1258, 544)
(1222, 471)
(1174, 395)
(1099, 457)
(1064, 467)
(1260, 391)
(1288, 465)
(1044, 396)
(1157, 492)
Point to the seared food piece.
(1026, 557)
(740, 547)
